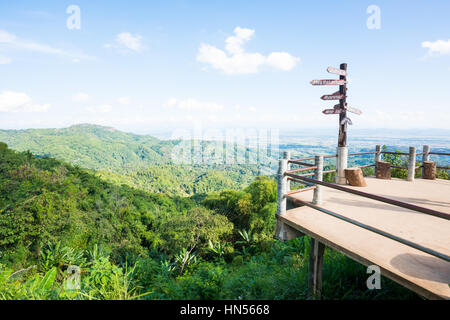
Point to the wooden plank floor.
(425, 274)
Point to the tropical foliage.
(67, 234)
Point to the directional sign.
(332, 111)
(334, 96)
(353, 110)
(350, 109)
(337, 71)
(327, 82)
(346, 120)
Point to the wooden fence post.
(282, 186)
(341, 165)
(425, 157)
(315, 269)
(287, 156)
(318, 162)
(378, 153)
(411, 163)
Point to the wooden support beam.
(285, 232)
(315, 269)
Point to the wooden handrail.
(397, 203)
(440, 153)
(301, 169)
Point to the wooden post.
(429, 170)
(317, 197)
(281, 199)
(282, 186)
(284, 232)
(342, 139)
(287, 156)
(425, 157)
(315, 269)
(341, 164)
(378, 153)
(355, 177)
(382, 170)
(411, 163)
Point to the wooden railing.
(285, 174)
(411, 164)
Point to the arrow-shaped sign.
(327, 82)
(337, 71)
(346, 120)
(332, 111)
(350, 109)
(334, 96)
(353, 110)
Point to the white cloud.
(124, 100)
(282, 60)
(5, 60)
(11, 101)
(103, 108)
(236, 61)
(439, 47)
(128, 41)
(10, 41)
(81, 97)
(193, 105)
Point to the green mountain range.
(140, 161)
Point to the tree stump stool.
(355, 177)
(383, 170)
(429, 170)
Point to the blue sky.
(147, 66)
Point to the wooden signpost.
(340, 95)
(337, 71)
(335, 96)
(353, 110)
(332, 111)
(327, 82)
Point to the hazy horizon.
(156, 67)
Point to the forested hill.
(132, 244)
(91, 146)
(46, 200)
(140, 161)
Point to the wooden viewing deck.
(423, 273)
(401, 226)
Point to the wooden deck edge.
(402, 281)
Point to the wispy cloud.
(126, 40)
(193, 105)
(11, 101)
(438, 47)
(124, 100)
(81, 97)
(9, 41)
(5, 60)
(234, 60)
(103, 108)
